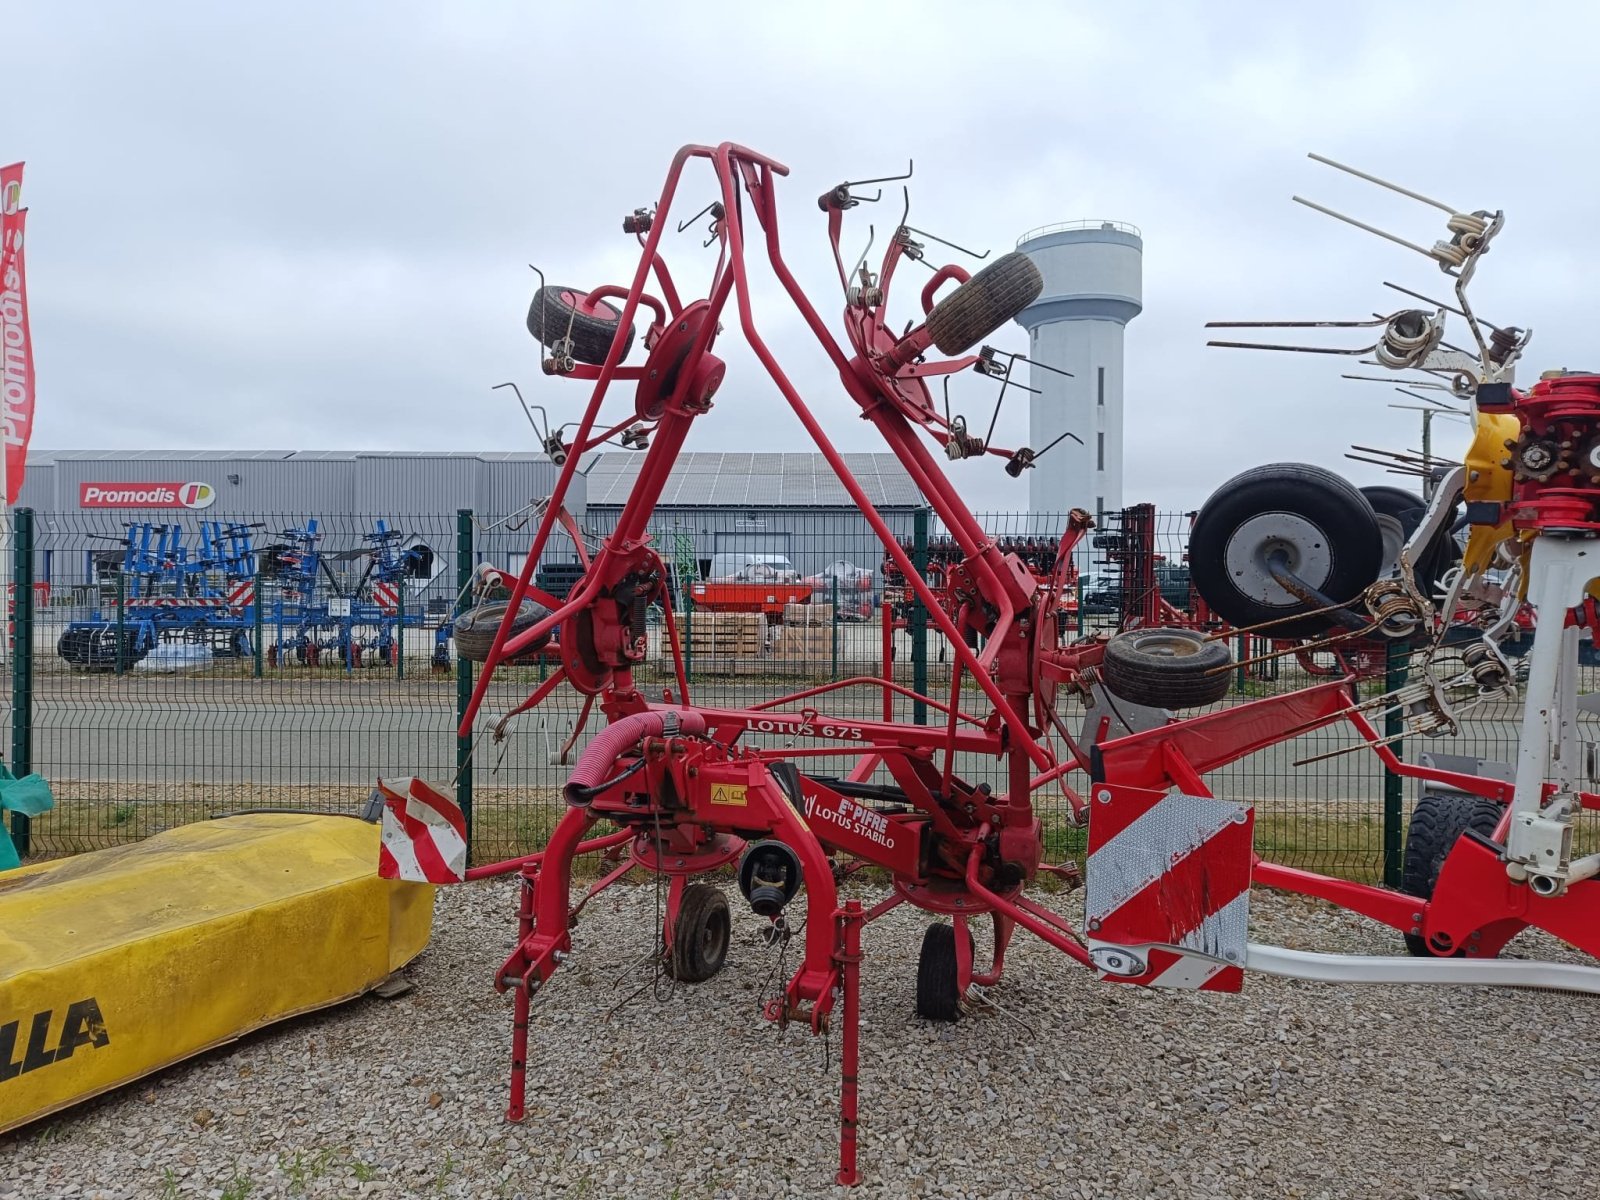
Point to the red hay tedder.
(677, 788)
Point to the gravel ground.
(1290, 1090)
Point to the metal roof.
(756, 480)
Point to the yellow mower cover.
(120, 962)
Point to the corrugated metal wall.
(811, 537)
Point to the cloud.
(309, 225)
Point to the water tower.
(1093, 287)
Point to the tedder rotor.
(681, 789)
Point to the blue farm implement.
(166, 594)
(319, 619)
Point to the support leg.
(849, 960)
(1538, 837)
(517, 1105)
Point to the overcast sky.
(307, 226)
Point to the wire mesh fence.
(166, 674)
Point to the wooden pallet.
(713, 634)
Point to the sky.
(308, 225)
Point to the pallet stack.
(806, 636)
(722, 643)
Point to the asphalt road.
(336, 735)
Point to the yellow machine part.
(1489, 480)
(120, 962)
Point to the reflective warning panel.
(1168, 888)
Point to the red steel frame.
(692, 795)
(954, 848)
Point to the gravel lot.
(1290, 1090)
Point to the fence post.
(1396, 664)
(122, 614)
(917, 619)
(22, 664)
(400, 631)
(1244, 656)
(257, 621)
(464, 565)
(835, 628)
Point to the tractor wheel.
(938, 982)
(1438, 820)
(560, 312)
(1167, 668)
(984, 303)
(700, 935)
(1322, 525)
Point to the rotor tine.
(1339, 216)
(1362, 324)
(1294, 349)
(1384, 183)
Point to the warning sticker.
(732, 794)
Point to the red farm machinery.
(794, 797)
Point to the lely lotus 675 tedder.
(680, 789)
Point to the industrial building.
(784, 504)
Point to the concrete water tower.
(1093, 286)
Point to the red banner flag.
(16, 346)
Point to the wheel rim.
(1302, 543)
(1394, 540)
(1168, 645)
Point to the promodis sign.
(146, 495)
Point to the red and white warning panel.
(1167, 886)
(424, 834)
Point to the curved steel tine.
(1296, 349)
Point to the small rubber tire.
(474, 629)
(1167, 668)
(1437, 822)
(938, 987)
(700, 935)
(1348, 538)
(984, 303)
(551, 317)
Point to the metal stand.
(1539, 837)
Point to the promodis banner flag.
(16, 346)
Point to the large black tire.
(1324, 525)
(700, 935)
(1167, 668)
(938, 988)
(553, 315)
(474, 629)
(984, 303)
(1437, 821)
(1406, 510)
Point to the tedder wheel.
(1436, 822)
(1322, 526)
(1167, 668)
(560, 312)
(984, 303)
(1399, 513)
(938, 986)
(475, 629)
(700, 935)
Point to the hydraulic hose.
(599, 756)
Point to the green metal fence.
(132, 747)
